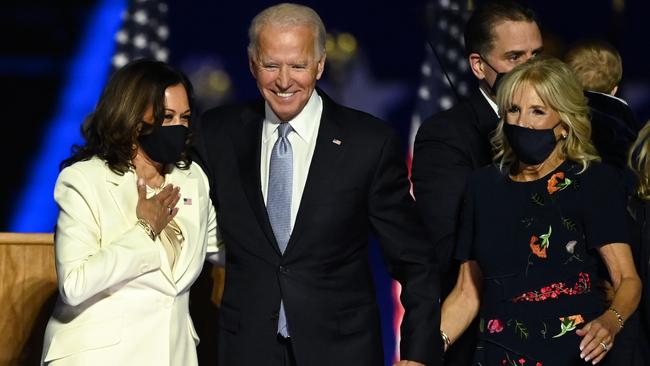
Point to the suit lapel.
(124, 191)
(328, 152)
(247, 144)
(187, 219)
(486, 119)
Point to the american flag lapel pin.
(187, 201)
(336, 142)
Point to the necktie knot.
(284, 129)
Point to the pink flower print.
(495, 326)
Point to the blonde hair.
(638, 160)
(597, 65)
(558, 88)
(287, 15)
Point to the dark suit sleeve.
(198, 149)
(439, 173)
(410, 258)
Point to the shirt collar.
(610, 96)
(303, 124)
(494, 106)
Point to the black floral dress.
(536, 244)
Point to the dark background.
(40, 37)
(381, 76)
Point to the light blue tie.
(278, 201)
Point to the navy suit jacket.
(448, 147)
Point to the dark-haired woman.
(134, 227)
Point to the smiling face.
(286, 68)
(177, 107)
(528, 110)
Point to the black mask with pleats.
(165, 144)
(531, 146)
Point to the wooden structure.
(28, 292)
(27, 295)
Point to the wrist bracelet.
(148, 229)
(445, 340)
(619, 317)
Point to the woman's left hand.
(598, 337)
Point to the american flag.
(143, 34)
(445, 52)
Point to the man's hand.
(408, 363)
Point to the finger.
(595, 353)
(599, 357)
(582, 331)
(586, 337)
(592, 349)
(174, 199)
(165, 193)
(142, 189)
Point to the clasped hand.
(158, 210)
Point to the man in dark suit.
(298, 183)
(450, 145)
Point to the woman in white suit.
(134, 227)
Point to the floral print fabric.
(535, 243)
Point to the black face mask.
(165, 144)
(532, 147)
(497, 81)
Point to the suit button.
(144, 268)
(284, 270)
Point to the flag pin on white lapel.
(337, 142)
(187, 201)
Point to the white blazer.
(120, 303)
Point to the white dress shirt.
(303, 141)
(610, 96)
(492, 104)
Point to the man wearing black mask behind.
(498, 36)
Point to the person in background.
(639, 162)
(598, 66)
(300, 182)
(134, 226)
(599, 69)
(535, 227)
(450, 145)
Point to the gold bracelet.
(619, 317)
(147, 228)
(445, 340)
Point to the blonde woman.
(535, 226)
